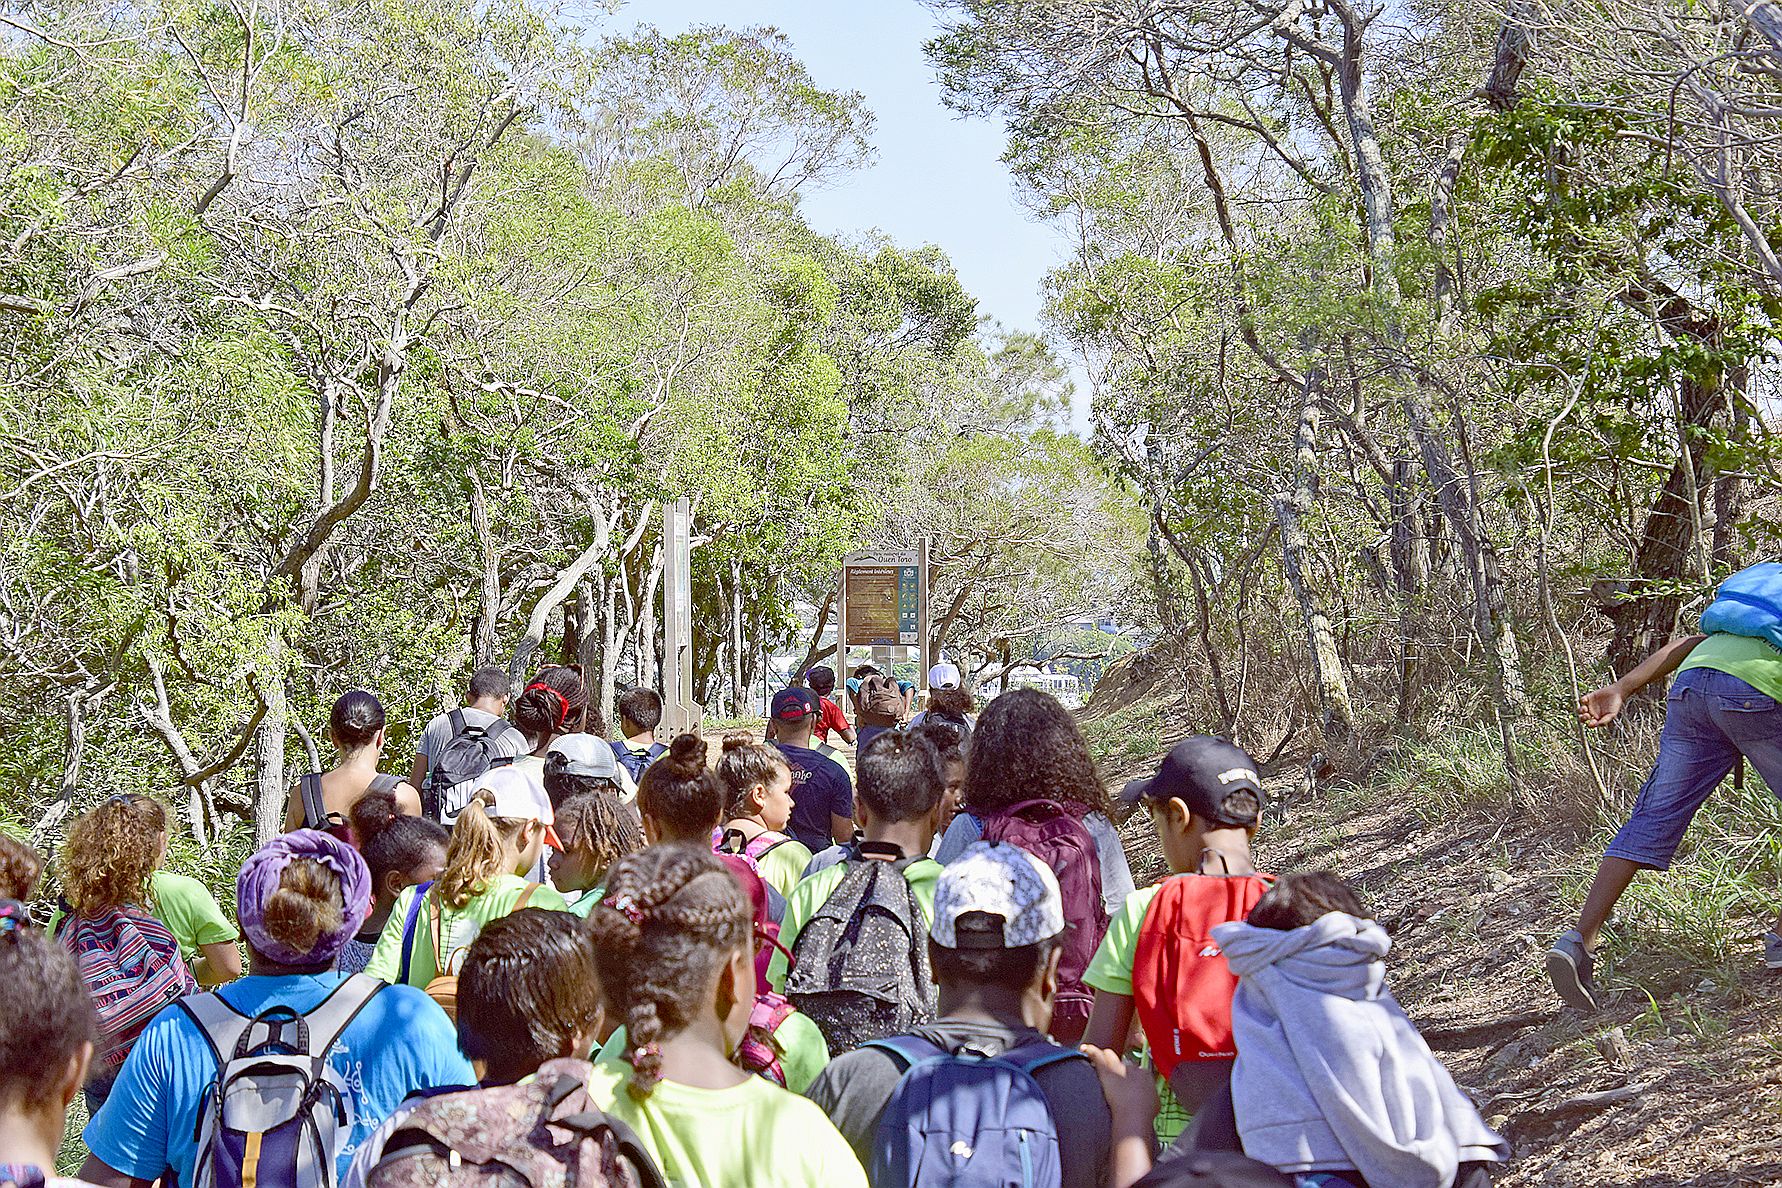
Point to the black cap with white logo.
(1203, 772)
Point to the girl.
(46, 1043)
(324, 800)
(497, 838)
(20, 868)
(596, 830)
(758, 783)
(554, 704)
(673, 950)
(402, 852)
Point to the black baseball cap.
(1203, 772)
(1211, 1169)
(794, 705)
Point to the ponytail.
(744, 765)
(481, 848)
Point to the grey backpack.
(860, 963)
(470, 752)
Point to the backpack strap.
(315, 809)
(525, 897)
(329, 1019)
(1021, 808)
(383, 782)
(455, 718)
(1030, 1058)
(408, 929)
(221, 1025)
(908, 1050)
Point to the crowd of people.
(542, 956)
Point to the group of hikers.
(546, 957)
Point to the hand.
(1131, 1091)
(1599, 707)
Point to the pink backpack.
(132, 966)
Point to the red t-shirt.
(831, 718)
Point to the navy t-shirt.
(820, 786)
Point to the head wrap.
(260, 877)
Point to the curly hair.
(951, 703)
(528, 990)
(110, 853)
(600, 823)
(554, 703)
(744, 764)
(306, 906)
(672, 915)
(1027, 747)
(20, 868)
(680, 793)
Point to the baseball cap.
(996, 896)
(1203, 772)
(583, 755)
(1212, 1169)
(793, 705)
(944, 676)
(515, 795)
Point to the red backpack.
(1180, 982)
(1044, 829)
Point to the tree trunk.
(272, 789)
(1729, 489)
(489, 605)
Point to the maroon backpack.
(1050, 833)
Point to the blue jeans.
(1710, 719)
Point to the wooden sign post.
(679, 712)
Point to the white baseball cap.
(943, 676)
(1015, 892)
(586, 755)
(515, 795)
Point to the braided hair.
(673, 914)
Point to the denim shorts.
(1710, 719)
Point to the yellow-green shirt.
(783, 866)
(1111, 967)
(803, 1051)
(189, 910)
(1750, 659)
(813, 892)
(457, 928)
(752, 1134)
(584, 901)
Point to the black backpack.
(315, 809)
(860, 963)
(469, 753)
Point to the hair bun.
(736, 740)
(688, 752)
(374, 812)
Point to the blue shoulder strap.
(1033, 1057)
(908, 1050)
(408, 930)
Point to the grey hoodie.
(1331, 1074)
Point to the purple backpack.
(1047, 831)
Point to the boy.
(821, 680)
(640, 712)
(1158, 959)
(484, 710)
(994, 945)
(822, 794)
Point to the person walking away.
(1030, 779)
(362, 1047)
(822, 794)
(20, 869)
(1725, 707)
(1332, 1082)
(596, 829)
(1158, 959)
(821, 681)
(324, 800)
(856, 958)
(881, 701)
(47, 1037)
(673, 947)
(497, 839)
(984, 1071)
(640, 713)
(947, 700)
(758, 785)
(551, 712)
(462, 744)
(401, 852)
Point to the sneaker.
(1772, 950)
(1570, 965)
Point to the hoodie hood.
(1335, 954)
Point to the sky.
(937, 179)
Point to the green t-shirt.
(1111, 967)
(753, 1133)
(190, 912)
(810, 894)
(1750, 659)
(803, 1051)
(783, 866)
(584, 901)
(457, 928)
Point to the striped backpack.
(132, 966)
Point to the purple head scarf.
(260, 877)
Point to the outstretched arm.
(1601, 706)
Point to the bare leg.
(1612, 879)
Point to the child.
(1332, 1081)
(640, 712)
(401, 852)
(596, 831)
(497, 837)
(758, 781)
(1205, 803)
(885, 885)
(821, 680)
(673, 949)
(324, 800)
(20, 868)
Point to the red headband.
(563, 714)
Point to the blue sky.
(937, 178)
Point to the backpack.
(131, 965)
(1181, 985)
(315, 809)
(759, 1052)
(635, 761)
(544, 1133)
(880, 699)
(469, 753)
(859, 966)
(443, 988)
(767, 907)
(966, 1119)
(1044, 829)
(1749, 603)
(277, 1112)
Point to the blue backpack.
(1749, 603)
(967, 1120)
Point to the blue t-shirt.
(399, 1043)
(820, 786)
